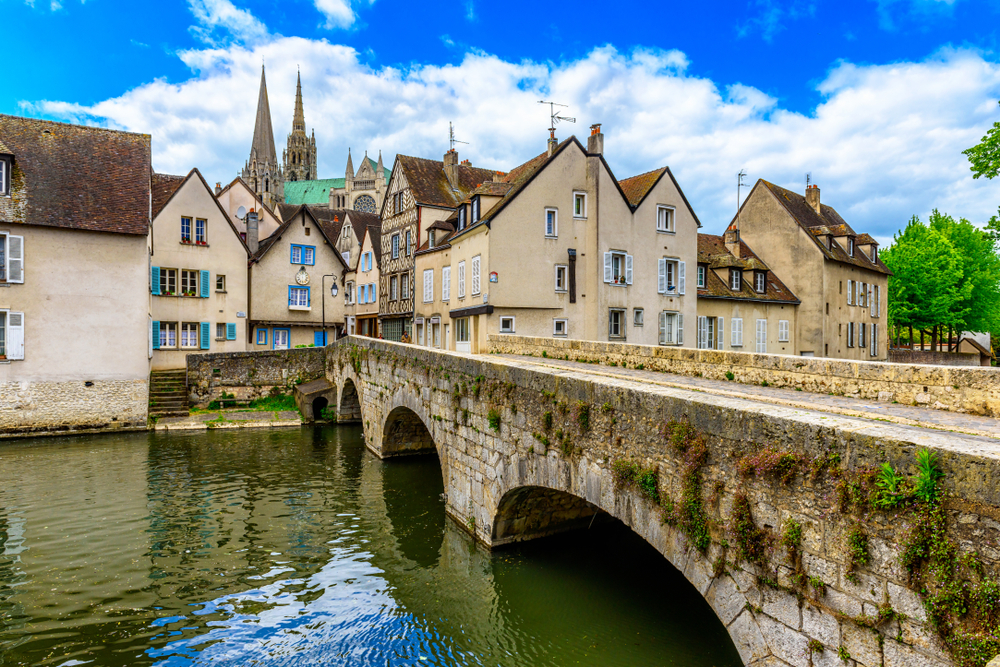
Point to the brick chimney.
(552, 141)
(253, 233)
(812, 197)
(451, 168)
(218, 188)
(466, 163)
(732, 240)
(595, 142)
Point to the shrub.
(928, 474)
(493, 417)
(891, 487)
(752, 543)
(583, 415)
(730, 376)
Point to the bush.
(493, 417)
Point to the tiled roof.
(713, 253)
(819, 225)
(327, 220)
(311, 192)
(285, 211)
(375, 230)
(637, 187)
(3, 148)
(865, 239)
(430, 185)
(492, 189)
(81, 177)
(164, 187)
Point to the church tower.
(300, 155)
(262, 172)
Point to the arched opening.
(533, 511)
(350, 405)
(405, 433)
(319, 405)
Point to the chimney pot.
(595, 142)
(218, 188)
(812, 198)
(732, 240)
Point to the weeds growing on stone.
(583, 416)
(493, 417)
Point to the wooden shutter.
(663, 325)
(446, 283)
(702, 332)
(156, 334)
(15, 259)
(607, 267)
(661, 283)
(719, 331)
(428, 285)
(681, 280)
(154, 280)
(850, 292)
(857, 295)
(628, 269)
(205, 335)
(204, 284)
(231, 331)
(374, 292)
(734, 327)
(871, 299)
(15, 335)
(475, 275)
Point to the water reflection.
(299, 547)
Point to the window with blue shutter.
(262, 336)
(204, 335)
(155, 280)
(231, 331)
(156, 334)
(204, 284)
(319, 338)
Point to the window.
(409, 246)
(462, 330)
(670, 276)
(168, 282)
(701, 276)
(349, 293)
(262, 336)
(736, 332)
(873, 349)
(617, 268)
(859, 296)
(560, 327)
(782, 331)
(850, 334)
(579, 204)
(220, 331)
(200, 229)
(637, 317)
(4, 176)
(506, 325)
(850, 246)
(298, 298)
(430, 239)
(220, 283)
(671, 328)
(706, 333)
(874, 253)
(735, 280)
(404, 286)
(189, 282)
(346, 255)
(189, 334)
(664, 219)
(395, 246)
(878, 303)
(303, 254)
(862, 331)
(168, 334)
(562, 283)
(461, 280)
(760, 281)
(850, 292)
(185, 230)
(361, 294)
(475, 209)
(428, 285)
(551, 222)
(475, 275)
(461, 218)
(761, 337)
(616, 323)
(393, 288)
(446, 283)
(280, 338)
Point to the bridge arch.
(406, 430)
(349, 405)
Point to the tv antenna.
(451, 137)
(554, 116)
(739, 184)
(808, 179)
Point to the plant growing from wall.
(493, 418)
(770, 462)
(791, 539)
(583, 416)
(753, 544)
(689, 515)
(547, 421)
(857, 552)
(891, 488)
(928, 475)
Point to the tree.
(985, 156)
(980, 269)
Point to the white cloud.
(884, 143)
(220, 21)
(338, 13)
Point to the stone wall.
(936, 358)
(523, 448)
(57, 407)
(249, 375)
(974, 390)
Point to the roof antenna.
(808, 179)
(739, 184)
(554, 116)
(451, 137)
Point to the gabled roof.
(820, 226)
(375, 231)
(430, 185)
(80, 177)
(239, 179)
(712, 252)
(164, 187)
(172, 184)
(636, 188)
(323, 222)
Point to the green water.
(299, 547)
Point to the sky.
(875, 99)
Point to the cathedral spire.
(299, 120)
(263, 137)
(350, 165)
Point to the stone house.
(198, 273)
(421, 192)
(239, 201)
(833, 270)
(362, 285)
(75, 325)
(742, 305)
(561, 248)
(295, 282)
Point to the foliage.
(628, 474)
(328, 413)
(547, 421)
(818, 585)
(985, 156)
(843, 653)
(493, 417)
(690, 515)
(729, 375)
(791, 538)
(928, 474)
(891, 487)
(583, 415)
(857, 551)
(815, 646)
(752, 543)
(771, 463)
(274, 403)
(980, 268)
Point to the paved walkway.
(906, 415)
(230, 419)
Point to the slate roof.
(637, 187)
(80, 177)
(430, 186)
(164, 187)
(713, 253)
(820, 225)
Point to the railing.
(363, 185)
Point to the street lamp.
(333, 292)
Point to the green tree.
(985, 156)
(980, 268)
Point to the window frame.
(165, 276)
(182, 329)
(555, 327)
(218, 288)
(622, 256)
(702, 275)
(261, 336)
(428, 285)
(670, 333)
(760, 346)
(409, 243)
(555, 222)
(288, 338)
(349, 296)
(622, 317)
(446, 283)
(404, 286)
(564, 269)
(186, 219)
(201, 231)
(783, 327)
(461, 280)
(477, 283)
(184, 273)
(394, 288)
(735, 332)
(670, 227)
(298, 290)
(394, 245)
(579, 195)
(509, 329)
(217, 331)
(474, 214)
(638, 314)
(461, 218)
(302, 248)
(760, 282)
(165, 329)
(735, 280)
(5, 169)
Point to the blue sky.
(875, 98)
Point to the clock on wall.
(302, 278)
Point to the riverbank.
(235, 418)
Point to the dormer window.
(850, 246)
(475, 209)
(461, 218)
(760, 281)
(430, 239)
(4, 175)
(735, 280)
(874, 253)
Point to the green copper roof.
(311, 192)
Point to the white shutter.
(15, 259)
(680, 277)
(428, 285)
(663, 326)
(661, 284)
(720, 331)
(475, 275)
(628, 269)
(15, 335)
(873, 336)
(761, 337)
(871, 299)
(446, 283)
(680, 329)
(734, 326)
(702, 332)
(850, 292)
(878, 302)
(857, 295)
(607, 267)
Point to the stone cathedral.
(262, 172)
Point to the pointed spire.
(263, 137)
(380, 170)
(350, 165)
(299, 120)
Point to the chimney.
(732, 240)
(466, 163)
(552, 141)
(218, 189)
(451, 168)
(253, 235)
(595, 142)
(812, 197)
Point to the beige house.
(742, 305)
(238, 200)
(75, 329)
(198, 273)
(561, 248)
(362, 286)
(295, 281)
(835, 271)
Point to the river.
(299, 547)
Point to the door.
(462, 343)
(281, 339)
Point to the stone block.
(842, 602)
(725, 598)
(820, 625)
(862, 643)
(748, 639)
(784, 642)
(906, 602)
(825, 570)
(921, 637)
(783, 606)
(900, 655)
(869, 587)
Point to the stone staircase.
(168, 395)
